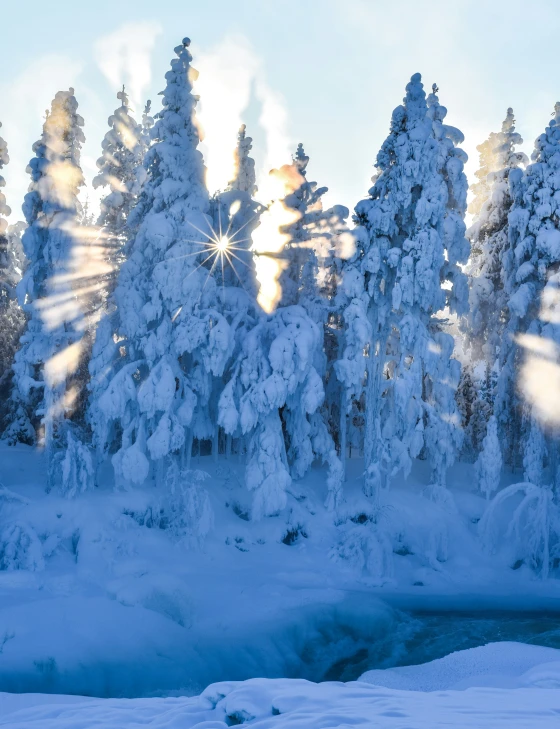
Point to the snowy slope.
(97, 599)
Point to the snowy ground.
(105, 603)
(504, 685)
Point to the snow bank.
(283, 703)
(500, 665)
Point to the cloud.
(274, 121)
(125, 57)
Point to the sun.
(222, 244)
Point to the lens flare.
(269, 239)
(222, 244)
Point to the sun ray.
(240, 260)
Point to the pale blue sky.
(329, 73)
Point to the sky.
(327, 73)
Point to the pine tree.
(275, 394)
(235, 215)
(411, 241)
(51, 346)
(171, 341)
(488, 236)
(529, 262)
(147, 124)
(120, 169)
(11, 264)
(488, 466)
(11, 315)
(245, 179)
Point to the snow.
(155, 591)
(497, 665)
(500, 685)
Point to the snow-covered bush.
(533, 529)
(367, 550)
(186, 505)
(73, 467)
(20, 548)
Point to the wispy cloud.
(125, 57)
(274, 121)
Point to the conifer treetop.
(245, 178)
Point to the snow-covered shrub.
(367, 550)
(73, 467)
(186, 505)
(20, 548)
(533, 529)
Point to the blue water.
(419, 636)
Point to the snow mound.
(499, 665)
(283, 703)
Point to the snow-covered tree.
(121, 170)
(410, 242)
(312, 262)
(235, 215)
(275, 393)
(51, 346)
(171, 339)
(488, 466)
(11, 315)
(147, 124)
(489, 241)
(245, 179)
(11, 267)
(530, 341)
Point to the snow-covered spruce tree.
(527, 394)
(275, 391)
(529, 261)
(11, 264)
(309, 279)
(171, 341)
(11, 315)
(147, 124)
(121, 170)
(410, 240)
(488, 466)
(235, 215)
(14, 422)
(274, 370)
(51, 346)
(474, 402)
(484, 326)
